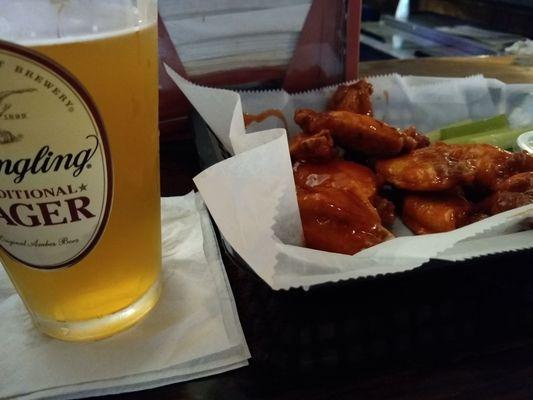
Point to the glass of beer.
(79, 162)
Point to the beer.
(110, 276)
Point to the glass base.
(99, 328)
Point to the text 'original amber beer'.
(79, 164)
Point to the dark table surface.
(503, 371)
(503, 374)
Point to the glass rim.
(73, 20)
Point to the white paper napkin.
(194, 331)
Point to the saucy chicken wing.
(316, 148)
(516, 191)
(418, 140)
(339, 174)
(503, 201)
(522, 182)
(349, 176)
(360, 133)
(334, 220)
(386, 210)
(442, 166)
(337, 203)
(435, 212)
(354, 98)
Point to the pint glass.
(79, 162)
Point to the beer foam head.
(34, 21)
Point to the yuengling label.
(55, 168)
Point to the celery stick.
(435, 136)
(470, 128)
(503, 138)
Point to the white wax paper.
(252, 198)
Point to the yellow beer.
(116, 282)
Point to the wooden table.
(504, 68)
(503, 373)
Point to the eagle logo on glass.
(7, 136)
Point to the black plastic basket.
(439, 311)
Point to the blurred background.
(429, 28)
(213, 36)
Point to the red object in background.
(328, 48)
(327, 52)
(353, 29)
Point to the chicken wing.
(417, 140)
(522, 182)
(337, 205)
(354, 98)
(334, 220)
(436, 212)
(360, 133)
(490, 164)
(441, 167)
(386, 210)
(349, 176)
(516, 191)
(427, 169)
(339, 174)
(315, 148)
(503, 201)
